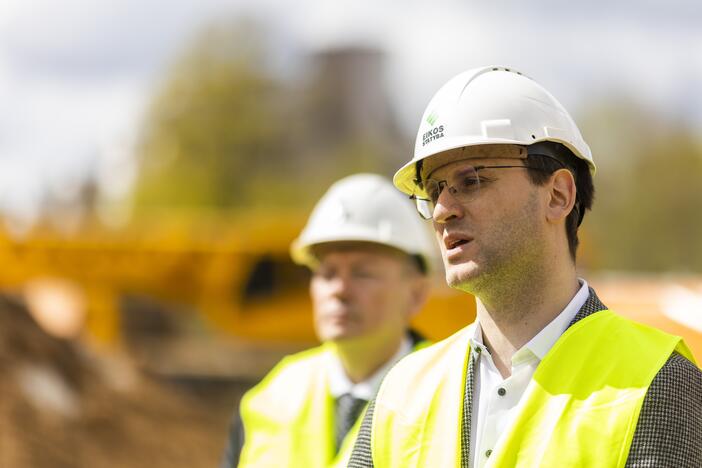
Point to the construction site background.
(129, 328)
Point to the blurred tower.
(350, 111)
(353, 102)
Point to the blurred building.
(352, 101)
(349, 120)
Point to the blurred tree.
(648, 212)
(215, 126)
(225, 132)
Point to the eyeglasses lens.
(463, 185)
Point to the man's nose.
(447, 207)
(340, 285)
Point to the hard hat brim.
(404, 178)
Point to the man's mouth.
(453, 241)
(456, 243)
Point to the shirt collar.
(542, 343)
(340, 384)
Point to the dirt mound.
(61, 408)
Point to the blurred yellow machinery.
(235, 272)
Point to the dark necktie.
(348, 408)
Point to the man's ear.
(561, 197)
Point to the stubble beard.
(509, 260)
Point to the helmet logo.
(433, 134)
(436, 132)
(431, 118)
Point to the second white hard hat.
(490, 105)
(365, 208)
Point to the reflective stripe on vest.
(580, 408)
(288, 417)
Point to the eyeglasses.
(464, 185)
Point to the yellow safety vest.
(288, 417)
(579, 410)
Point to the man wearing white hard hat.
(546, 376)
(369, 254)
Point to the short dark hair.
(548, 157)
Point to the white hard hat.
(365, 208)
(491, 105)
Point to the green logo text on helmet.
(487, 106)
(364, 208)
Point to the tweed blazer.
(668, 432)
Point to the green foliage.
(225, 133)
(215, 126)
(648, 210)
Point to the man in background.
(369, 255)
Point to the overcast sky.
(76, 76)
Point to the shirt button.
(488, 453)
(501, 391)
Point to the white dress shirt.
(495, 400)
(339, 383)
